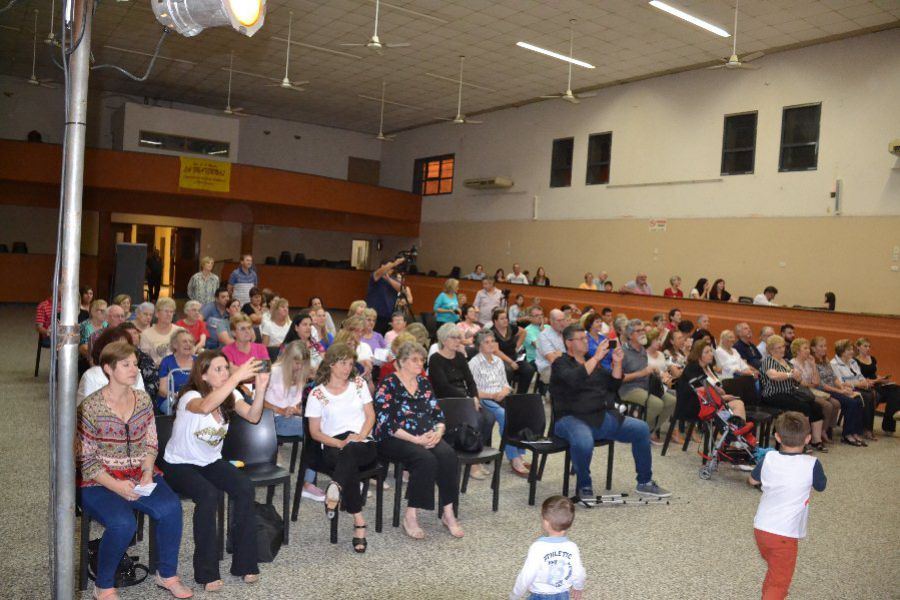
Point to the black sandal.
(820, 447)
(360, 541)
(851, 442)
(332, 499)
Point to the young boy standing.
(786, 477)
(553, 565)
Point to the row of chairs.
(299, 260)
(17, 248)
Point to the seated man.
(638, 285)
(745, 346)
(766, 298)
(550, 345)
(765, 333)
(584, 398)
(43, 320)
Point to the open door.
(186, 254)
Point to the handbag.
(129, 572)
(655, 385)
(464, 438)
(269, 532)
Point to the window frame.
(571, 160)
(735, 150)
(158, 141)
(420, 169)
(815, 144)
(598, 163)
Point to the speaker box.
(130, 273)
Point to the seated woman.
(315, 303)
(85, 296)
(302, 330)
(398, 326)
(411, 429)
(194, 466)
(886, 390)
(320, 333)
(351, 334)
(593, 324)
(370, 337)
(446, 305)
(809, 380)
(143, 315)
(146, 366)
(846, 370)
(780, 382)
(700, 290)
(470, 325)
(852, 403)
(673, 350)
(510, 339)
(256, 308)
(635, 388)
(357, 309)
(718, 293)
(155, 339)
(243, 348)
(178, 365)
(116, 450)
(193, 323)
(540, 278)
(124, 300)
(341, 418)
(655, 356)
(517, 309)
(95, 322)
(729, 360)
(95, 378)
(490, 378)
(451, 378)
(274, 329)
(391, 366)
(284, 397)
(699, 364)
(588, 283)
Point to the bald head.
(558, 320)
(115, 315)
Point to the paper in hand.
(144, 490)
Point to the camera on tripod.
(409, 260)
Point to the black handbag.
(655, 385)
(464, 438)
(269, 532)
(129, 572)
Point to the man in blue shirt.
(382, 293)
(215, 311)
(243, 279)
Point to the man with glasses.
(550, 344)
(583, 396)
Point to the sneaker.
(651, 488)
(742, 467)
(314, 494)
(586, 494)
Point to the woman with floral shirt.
(410, 428)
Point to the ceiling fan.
(51, 40)
(33, 80)
(460, 118)
(381, 136)
(568, 96)
(733, 62)
(286, 83)
(374, 43)
(234, 112)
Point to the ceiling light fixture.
(689, 18)
(190, 17)
(556, 55)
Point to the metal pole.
(62, 526)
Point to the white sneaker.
(742, 467)
(313, 495)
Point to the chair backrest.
(299, 259)
(525, 411)
(284, 258)
(311, 449)
(20, 248)
(251, 443)
(270, 260)
(458, 411)
(744, 387)
(745, 300)
(164, 425)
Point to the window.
(561, 163)
(599, 152)
(180, 143)
(739, 144)
(800, 138)
(434, 175)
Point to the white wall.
(270, 240)
(135, 118)
(670, 129)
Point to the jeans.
(500, 415)
(557, 596)
(581, 437)
(293, 426)
(117, 517)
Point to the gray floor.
(701, 546)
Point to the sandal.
(107, 594)
(360, 543)
(455, 530)
(819, 447)
(175, 587)
(251, 578)
(332, 499)
(850, 442)
(415, 533)
(214, 586)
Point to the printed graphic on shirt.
(212, 436)
(559, 566)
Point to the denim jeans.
(293, 426)
(557, 596)
(581, 437)
(500, 414)
(116, 515)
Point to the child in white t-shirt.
(553, 565)
(787, 477)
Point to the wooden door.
(186, 253)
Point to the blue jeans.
(581, 437)
(557, 596)
(293, 426)
(117, 517)
(500, 415)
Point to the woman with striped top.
(116, 450)
(780, 387)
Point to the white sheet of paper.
(145, 490)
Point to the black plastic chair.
(744, 387)
(610, 457)
(745, 300)
(526, 412)
(271, 261)
(458, 411)
(257, 446)
(691, 423)
(37, 359)
(284, 259)
(86, 521)
(311, 458)
(4, 248)
(294, 441)
(299, 260)
(19, 248)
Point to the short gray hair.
(191, 304)
(632, 326)
(446, 330)
(483, 335)
(408, 349)
(145, 307)
(619, 324)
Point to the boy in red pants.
(786, 477)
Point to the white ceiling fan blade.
(722, 66)
(397, 45)
(587, 95)
(471, 122)
(353, 45)
(753, 56)
(750, 67)
(548, 96)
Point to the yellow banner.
(204, 174)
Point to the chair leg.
(286, 504)
(294, 449)
(455, 504)
(398, 485)
(379, 501)
(140, 527)
(298, 492)
(495, 483)
(270, 494)
(543, 464)
(37, 360)
(152, 550)
(567, 464)
(532, 479)
(85, 539)
(465, 479)
(668, 436)
(334, 527)
(609, 465)
(687, 436)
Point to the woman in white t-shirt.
(352, 330)
(729, 360)
(275, 328)
(341, 418)
(194, 466)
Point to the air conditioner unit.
(893, 148)
(489, 183)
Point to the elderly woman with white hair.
(155, 339)
(203, 284)
(193, 322)
(177, 367)
(143, 316)
(637, 387)
(729, 359)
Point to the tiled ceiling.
(626, 39)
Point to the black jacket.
(574, 392)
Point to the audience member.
(446, 305)
(115, 316)
(597, 342)
(788, 333)
(517, 276)
(718, 293)
(768, 294)
(193, 323)
(154, 275)
(341, 418)
(95, 378)
(809, 380)
(486, 300)
(852, 403)
(148, 369)
(846, 370)
(885, 390)
(608, 286)
(659, 321)
(320, 333)
(383, 291)
(510, 338)
(499, 275)
(517, 309)
(178, 364)
(830, 301)
(370, 337)
(116, 449)
(745, 346)
(729, 359)
(532, 332)
(87, 327)
(674, 289)
(357, 308)
(410, 429)
(606, 315)
(764, 334)
(43, 321)
(256, 309)
(673, 350)
(588, 283)
(700, 291)
(274, 329)
(638, 285)
(478, 274)
(85, 297)
(124, 300)
(674, 319)
(601, 279)
(550, 343)
(470, 325)
(243, 349)
(540, 278)
(203, 284)
(398, 326)
(584, 399)
(155, 339)
(637, 374)
(242, 279)
(351, 334)
(194, 466)
(315, 303)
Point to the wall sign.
(204, 174)
(658, 224)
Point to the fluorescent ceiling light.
(540, 50)
(151, 142)
(689, 18)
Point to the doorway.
(178, 247)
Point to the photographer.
(383, 292)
